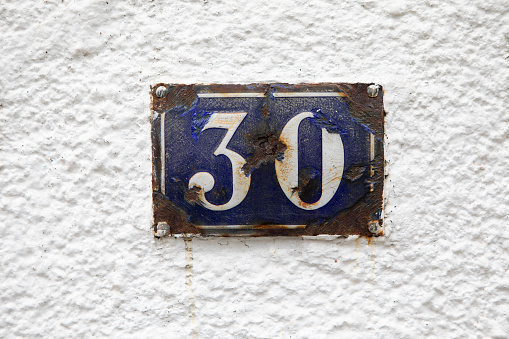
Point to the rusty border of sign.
(365, 105)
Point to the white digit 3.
(205, 180)
(287, 170)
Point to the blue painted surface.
(189, 150)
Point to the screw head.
(373, 90)
(374, 227)
(163, 229)
(161, 91)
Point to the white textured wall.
(78, 258)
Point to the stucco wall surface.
(78, 257)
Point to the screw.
(374, 227)
(161, 91)
(163, 229)
(373, 90)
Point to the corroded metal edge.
(355, 220)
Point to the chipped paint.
(355, 172)
(266, 148)
(321, 120)
(199, 121)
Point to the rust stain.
(265, 112)
(354, 172)
(355, 219)
(220, 193)
(165, 211)
(370, 241)
(364, 109)
(276, 232)
(188, 242)
(308, 182)
(180, 97)
(192, 195)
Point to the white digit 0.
(205, 180)
(287, 170)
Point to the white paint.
(78, 257)
(231, 95)
(308, 94)
(162, 180)
(287, 169)
(240, 181)
(275, 94)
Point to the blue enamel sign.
(267, 159)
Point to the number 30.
(286, 169)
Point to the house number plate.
(267, 159)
